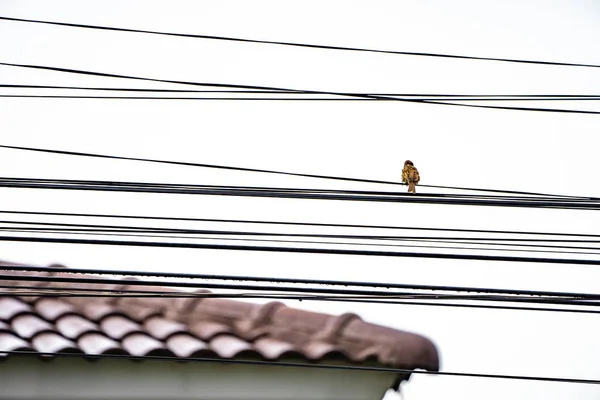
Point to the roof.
(194, 327)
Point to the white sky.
(451, 146)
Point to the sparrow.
(410, 175)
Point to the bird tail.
(411, 187)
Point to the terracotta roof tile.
(273, 349)
(51, 342)
(185, 345)
(10, 342)
(52, 308)
(96, 311)
(229, 346)
(73, 326)
(197, 327)
(96, 343)
(117, 326)
(162, 328)
(11, 306)
(28, 326)
(207, 329)
(140, 344)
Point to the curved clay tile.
(117, 326)
(11, 307)
(206, 330)
(52, 308)
(97, 343)
(272, 349)
(140, 344)
(229, 346)
(162, 328)
(10, 342)
(72, 326)
(50, 342)
(28, 326)
(185, 345)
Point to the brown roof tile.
(73, 326)
(52, 308)
(196, 327)
(10, 342)
(28, 326)
(117, 326)
(185, 345)
(96, 343)
(11, 306)
(140, 344)
(52, 342)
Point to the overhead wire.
(280, 280)
(315, 293)
(292, 223)
(250, 236)
(306, 45)
(256, 87)
(303, 193)
(432, 96)
(268, 171)
(304, 365)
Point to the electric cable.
(303, 365)
(292, 223)
(280, 280)
(312, 46)
(240, 98)
(190, 164)
(311, 292)
(265, 237)
(225, 85)
(299, 193)
(423, 96)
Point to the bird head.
(408, 162)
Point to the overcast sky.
(451, 146)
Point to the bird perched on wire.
(410, 176)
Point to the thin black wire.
(189, 164)
(239, 98)
(462, 97)
(196, 188)
(300, 250)
(34, 291)
(305, 365)
(224, 85)
(294, 193)
(45, 292)
(290, 293)
(291, 223)
(64, 226)
(164, 235)
(280, 280)
(313, 46)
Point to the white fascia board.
(28, 377)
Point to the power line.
(224, 85)
(303, 281)
(302, 193)
(306, 365)
(240, 98)
(290, 292)
(34, 291)
(313, 46)
(292, 223)
(203, 165)
(174, 233)
(301, 250)
(421, 96)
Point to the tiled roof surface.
(195, 327)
